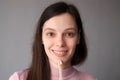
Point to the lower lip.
(60, 55)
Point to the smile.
(60, 53)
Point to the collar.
(67, 72)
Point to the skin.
(60, 37)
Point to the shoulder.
(20, 75)
(85, 76)
(79, 75)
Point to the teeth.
(59, 52)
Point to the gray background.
(101, 20)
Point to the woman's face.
(60, 37)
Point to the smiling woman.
(59, 40)
(60, 37)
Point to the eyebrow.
(48, 29)
(71, 29)
(64, 30)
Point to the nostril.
(60, 43)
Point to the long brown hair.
(40, 67)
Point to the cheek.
(72, 45)
(72, 42)
(47, 43)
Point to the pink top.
(68, 74)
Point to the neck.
(65, 72)
(64, 65)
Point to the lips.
(60, 53)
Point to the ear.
(41, 42)
(78, 41)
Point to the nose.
(60, 41)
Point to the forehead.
(59, 22)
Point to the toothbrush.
(60, 69)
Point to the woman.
(60, 39)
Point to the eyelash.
(67, 34)
(50, 34)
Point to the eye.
(70, 34)
(50, 34)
